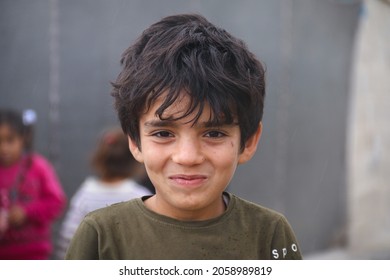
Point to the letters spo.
(284, 251)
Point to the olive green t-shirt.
(129, 230)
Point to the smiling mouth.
(188, 180)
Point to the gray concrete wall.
(58, 57)
(369, 136)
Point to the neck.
(155, 205)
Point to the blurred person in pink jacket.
(31, 197)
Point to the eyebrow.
(160, 123)
(168, 123)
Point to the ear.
(136, 152)
(250, 146)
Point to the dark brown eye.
(163, 134)
(215, 134)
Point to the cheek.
(16, 147)
(226, 169)
(19, 146)
(154, 160)
(228, 157)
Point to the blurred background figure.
(31, 197)
(115, 181)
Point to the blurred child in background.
(31, 197)
(116, 170)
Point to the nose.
(188, 151)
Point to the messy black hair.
(187, 52)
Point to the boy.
(190, 97)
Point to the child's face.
(11, 145)
(190, 165)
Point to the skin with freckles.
(190, 164)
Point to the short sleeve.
(84, 244)
(284, 244)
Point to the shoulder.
(38, 165)
(39, 162)
(83, 190)
(114, 219)
(39, 159)
(272, 226)
(114, 213)
(256, 217)
(245, 207)
(91, 183)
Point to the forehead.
(8, 134)
(7, 130)
(186, 108)
(180, 109)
